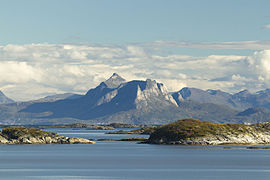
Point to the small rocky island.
(196, 132)
(81, 125)
(145, 130)
(111, 126)
(22, 135)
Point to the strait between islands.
(181, 132)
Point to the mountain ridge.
(105, 100)
(140, 102)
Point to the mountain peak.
(4, 99)
(115, 75)
(114, 81)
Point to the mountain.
(4, 99)
(114, 81)
(136, 102)
(209, 96)
(57, 97)
(250, 114)
(239, 101)
(139, 102)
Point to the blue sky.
(129, 21)
(58, 46)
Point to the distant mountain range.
(140, 102)
(240, 101)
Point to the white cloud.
(260, 62)
(136, 51)
(35, 70)
(267, 26)
(18, 72)
(173, 84)
(250, 45)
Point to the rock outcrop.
(22, 135)
(195, 132)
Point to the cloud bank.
(241, 45)
(32, 71)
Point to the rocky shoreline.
(22, 135)
(217, 140)
(195, 132)
(182, 132)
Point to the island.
(123, 125)
(145, 130)
(110, 126)
(196, 132)
(80, 125)
(23, 135)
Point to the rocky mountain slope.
(140, 101)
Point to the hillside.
(22, 135)
(195, 132)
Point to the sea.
(130, 160)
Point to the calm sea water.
(128, 160)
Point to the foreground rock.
(22, 135)
(195, 132)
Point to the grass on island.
(16, 132)
(191, 128)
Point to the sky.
(57, 46)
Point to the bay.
(129, 160)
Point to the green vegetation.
(22, 135)
(191, 128)
(262, 126)
(16, 132)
